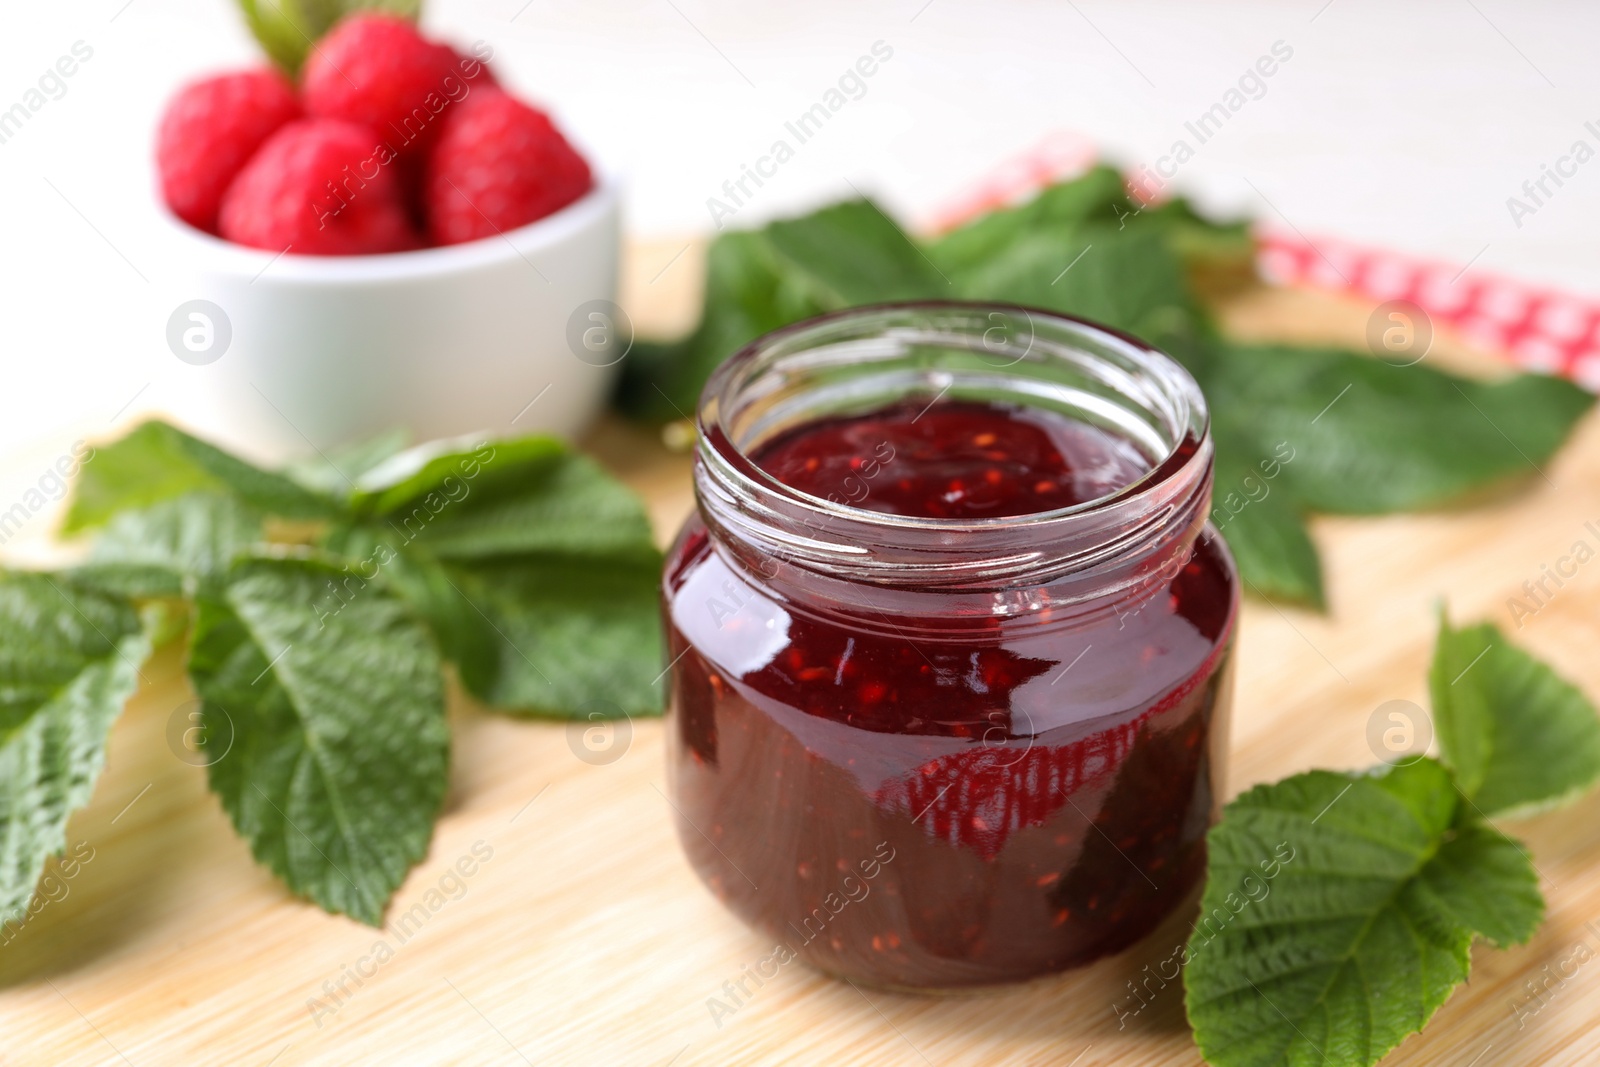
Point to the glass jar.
(931, 754)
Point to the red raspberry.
(210, 130)
(469, 68)
(377, 70)
(319, 187)
(499, 164)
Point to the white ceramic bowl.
(301, 354)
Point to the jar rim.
(859, 357)
(712, 435)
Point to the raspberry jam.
(953, 460)
(949, 640)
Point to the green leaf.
(1485, 882)
(851, 253)
(1338, 914)
(1097, 196)
(1099, 201)
(756, 281)
(69, 662)
(1252, 508)
(1275, 556)
(1373, 438)
(855, 254)
(136, 581)
(287, 29)
(170, 548)
(407, 477)
(541, 634)
(749, 292)
(282, 28)
(1130, 282)
(1519, 738)
(572, 633)
(1273, 550)
(334, 472)
(340, 752)
(546, 635)
(534, 568)
(158, 462)
(531, 495)
(466, 635)
(1203, 244)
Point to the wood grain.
(584, 938)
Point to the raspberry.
(499, 164)
(319, 187)
(210, 130)
(377, 70)
(462, 64)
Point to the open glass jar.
(932, 752)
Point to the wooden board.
(585, 938)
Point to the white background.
(1405, 127)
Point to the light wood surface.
(585, 938)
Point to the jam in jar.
(949, 638)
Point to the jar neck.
(828, 554)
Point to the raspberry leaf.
(530, 495)
(568, 633)
(1273, 549)
(566, 506)
(287, 30)
(1372, 438)
(466, 634)
(534, 568)
(335, 471)
(1262, 523)
(855, 254)
(541, 634)
(69, 662)
(1484, 881)
(158, 462)
(1519, 738)
(1339, 912)
(407, 477)
(171, 548)
(1225, 251)
(1098, 196)
(340, 750)
(1128, 280)
(749, 291)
